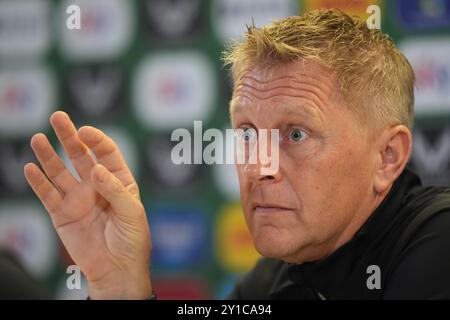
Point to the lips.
(269, 208)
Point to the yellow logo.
(234, 243)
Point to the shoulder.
(422, 270)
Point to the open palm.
(100, 219)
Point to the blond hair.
(375, 78)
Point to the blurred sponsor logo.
(431, 156)
(162, 175)
(95, 91)
(429, 58)
(174, 89)
(235, 248)
(423, 14)
(230, 17)
(26, 231)
(180, 237)
(173, 20)
(13, 157)
(181, 289)
(26, 100)
(106, 29)
(24, 28)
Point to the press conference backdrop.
(140, 69)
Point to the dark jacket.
(16, 283)
(407, 238)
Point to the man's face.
(324, 185)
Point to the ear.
(394, 150)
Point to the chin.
(274, 244)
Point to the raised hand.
(100, 219)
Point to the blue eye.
(296, 135)
(247, 134)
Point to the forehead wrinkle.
(265, 77)
(293, 108)
(249, 76)
(309, 84)
(322, 90)
(275, 91)
(305, 93)
(323, 84)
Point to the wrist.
(123, 287)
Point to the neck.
(361, 217)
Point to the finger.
(108, 154)
(77, 152)
(111, 188)
(52, 164)
(44, 189)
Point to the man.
(339, 217)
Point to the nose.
(261, 157)
(258, 173)
(255, 174)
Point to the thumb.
(121, 200)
